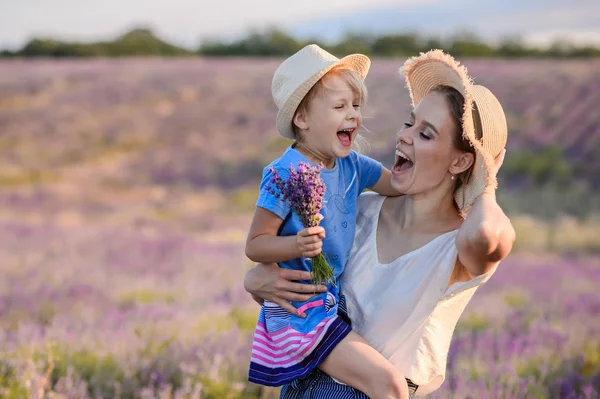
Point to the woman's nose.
(404, 136)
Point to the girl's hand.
(275, 284)
(310, 241)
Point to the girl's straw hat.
(483, 120)
(297, 74)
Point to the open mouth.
(345, 136)
(403, 162)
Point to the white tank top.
(403, 308)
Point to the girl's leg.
(354, 362)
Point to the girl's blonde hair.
(356, 84)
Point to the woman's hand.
(498, 161)
(273, 283)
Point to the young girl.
(319, 98)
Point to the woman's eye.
(356, 105)
(406, 124)
(424, 136)
(339, 106)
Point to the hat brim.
(358, 62)
(436, 68)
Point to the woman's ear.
(461, 163)
(300, 119)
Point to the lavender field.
(126, 190)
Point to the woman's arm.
(486, 236)
(353, 361)
(273, 283)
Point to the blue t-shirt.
(343, 184)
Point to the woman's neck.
(426, 211)
(314, 156)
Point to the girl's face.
(332, 120)
(426, 156)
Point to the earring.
(452, 177)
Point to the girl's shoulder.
(353, 158)
(289, 157)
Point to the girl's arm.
(486, 236)
(384, 184)
(264, 245)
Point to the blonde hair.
(355, 82)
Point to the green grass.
(474, 322)
(563, 235)
(27, 178)
(145, 297)
(242, 319)
(516, 300)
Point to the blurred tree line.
(275, 42)
(138, 42)
(545, 183)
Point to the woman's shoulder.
(367, 202)
(367, 215)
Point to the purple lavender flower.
(304, 190)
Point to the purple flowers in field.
(122, 241)
(304, 190)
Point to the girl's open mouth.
(403, 162)
(345, 136)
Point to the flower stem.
(322, 272)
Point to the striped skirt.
(286, 347)
(318, 385)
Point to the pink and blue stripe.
(285, 355)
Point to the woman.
(417, 259)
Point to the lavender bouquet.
(304, 190)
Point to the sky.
(188, 22)
(537, 22)
(184, 22)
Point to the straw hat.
(482, 116)
(297, 74)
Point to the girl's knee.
(389, 383)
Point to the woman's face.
(426, 157)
